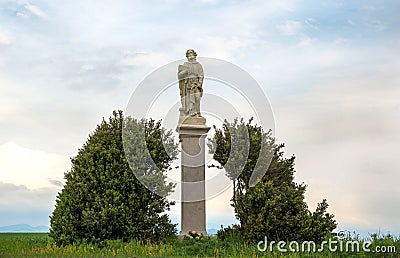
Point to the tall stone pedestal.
(193, 194)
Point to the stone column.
(193, 195)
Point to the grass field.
(40, 245)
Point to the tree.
(274, 206)
(102, 198)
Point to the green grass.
(40, 245)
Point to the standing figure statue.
(191, 77)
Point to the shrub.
(275, 206)
(102, 198)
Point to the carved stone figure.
(191, 76)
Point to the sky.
(330, 70)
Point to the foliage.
(102, 199)
(229, 233)
(275, 206)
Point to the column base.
(181, 234)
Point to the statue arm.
(181, 74)
(182, 88)
(182, 71)
(201, 76)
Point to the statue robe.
(191, 77)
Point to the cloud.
(350, 21)
(382, 209)
(32, 168)
(21, 195)
(290, 27)
(209, 1)
(143, 58)
(373, 7)
(34, 9)
(56, 182)
(306, 41)
(4, 38)
(360, 185)
(341, 41)
(222, 47)
(347, 151)
(22, 15)
(101, 71)
(19, 204)
(312, 23)
(377, 25)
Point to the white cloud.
(312, 23)
(35, 10)
(4, 38)
(22, 15)
(377, 25)
(86, 68)
(306, 41)
(341, 41)
(350, 21)
(20, 195)
(19, 204)
(209, 1)
(348, 149)
(373, 7)
(290, 27)
(142, 58)
(33, 168)
(222, 47)
(15, 97)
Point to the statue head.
(190, 51)
(191, 54)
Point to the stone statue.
(192, 131)
(191, 77)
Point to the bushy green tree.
(102, 198)
(275, 206)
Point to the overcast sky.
(331, 70)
